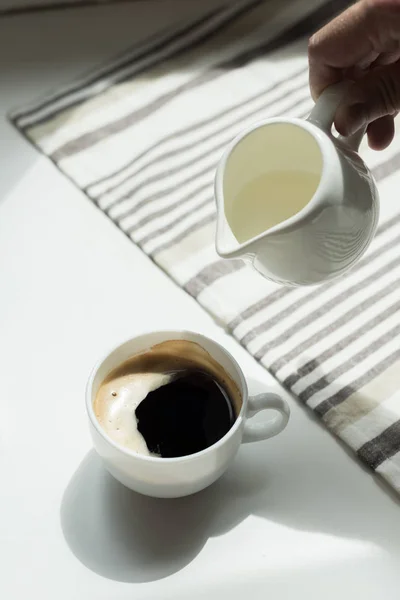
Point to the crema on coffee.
(172, 400)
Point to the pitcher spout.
(226, 244)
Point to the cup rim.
(158, 459)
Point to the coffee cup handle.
(323, 113)
(255, 432)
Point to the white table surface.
(295, 517)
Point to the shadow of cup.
(127, 537)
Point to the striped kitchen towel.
(9, 7)
(142, 137)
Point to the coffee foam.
(116, 402)
(126, 386)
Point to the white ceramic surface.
(177, 477)
(329, 235)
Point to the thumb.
(374, 96)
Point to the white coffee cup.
(175, 477)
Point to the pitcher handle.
(323, 113)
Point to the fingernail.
(350, 119)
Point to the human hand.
(363, 45)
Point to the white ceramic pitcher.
(334, 229)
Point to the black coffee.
(185, 416)
(173, 399)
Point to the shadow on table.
(132, 538)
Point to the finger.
(386, 58)
(374, 61)
(332, 49)
(381, 133)
(355, 38)
(376, 95)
